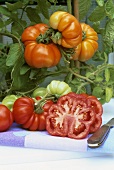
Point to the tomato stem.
(76, 9)
(69, 6)
(43, 38)
(39, 103)
(56, 36)
(83, 35)
(80, 76)
(11, 35)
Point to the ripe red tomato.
(6, 118)
(70, 32)
(24, 113)
(39, 54)
(86, 49)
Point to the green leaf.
(109, 6)
(17, 81)
(84, 6)
(33, 73)
(90, 75)
(18, 27)
(100, 2)
(110, 29)
(1, 23)
(44, 8)
(107, 75)
(102, 100)
(7, 22)
(112, 75)
(24, 69)
(53, 1)
(21, 82)
(99, 78)
(14, 53)
(97, 91)
(96, 26)
(33, 15)
(14, 6)
(3, 67)
(108, 35)
(5, 11)
(98, 14)
(109, 93)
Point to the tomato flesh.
(74, 116)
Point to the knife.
(100, 135)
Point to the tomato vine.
(94, 76)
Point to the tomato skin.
(96, 105)
(40, 91)
(68, 26)
(86, 49)
(39, 55)
(9, 100)
(6, 118)
(24, 113)
(47, 106)
(58, 88)
(42, 55)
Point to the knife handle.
(98, 137)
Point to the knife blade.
(98, 138)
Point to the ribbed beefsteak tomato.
(86, 49)
(24, 113)
(39, 53)
(68, 29)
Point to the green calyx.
(83, 35)
(56, 36)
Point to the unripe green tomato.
(58, 88)
(9, 100)
(40, 91)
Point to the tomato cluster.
(43, 42)
(71, 115)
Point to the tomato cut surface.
(70, 117)
(74, 116)
(94, 103)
